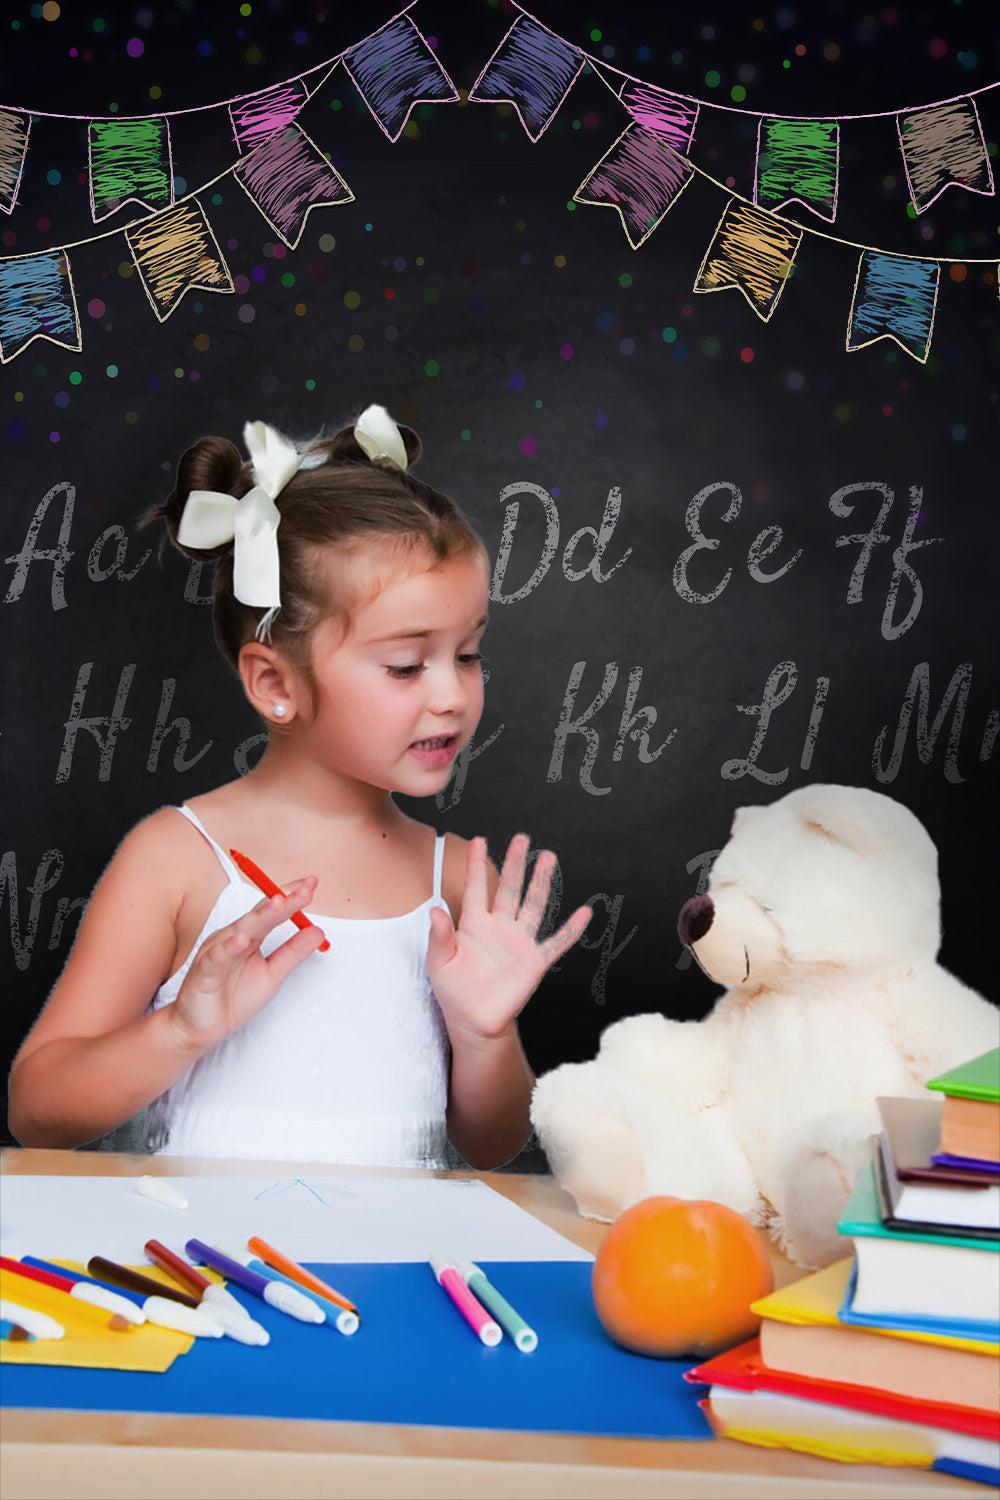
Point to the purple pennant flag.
(395, 69)
(894, 298)
(262, 115)
(37, 302)
(667, 115)
(640, 176)
(14, 131)
(287, 176)
(531, 69)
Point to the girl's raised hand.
(485, 970)
(230, 980)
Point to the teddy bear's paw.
(817, 1193)
(595, 1156)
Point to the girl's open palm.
(230, 979)
(484, 971)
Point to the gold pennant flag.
(176, 251)
(752, 251)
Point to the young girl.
(351, 598)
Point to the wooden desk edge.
(113, 1454)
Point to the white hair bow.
(377, 434)
(211, 518)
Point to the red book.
(743, 1369)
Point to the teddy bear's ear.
(839, 829)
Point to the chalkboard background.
(566, 387)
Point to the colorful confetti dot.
(528, 447)
(516, 382)
(566, 351)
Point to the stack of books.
(892, 1355)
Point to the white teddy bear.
(822, 918)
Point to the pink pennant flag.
(287, 176)
(943, 147)
(262, 115)
(753, 252)
(668, 115)
(641, 176)
(175, 251)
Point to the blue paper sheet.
(414, 1361)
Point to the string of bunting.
(753, 249)
(173, 247)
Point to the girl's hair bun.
(345, 447)
(212, 463)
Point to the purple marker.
(285, 1298)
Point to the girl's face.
(401, 692)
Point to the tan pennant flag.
(943, 147)
(176, 251)
(753, 252)
(14, 131)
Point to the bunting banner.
(37, 302)
(393, 70)
(533, 69)
(263, 114)
(288, 176)
(895, 298)
(175, 252)
(668, 115)
(641, 176)
(944, 147)
(14, 131)
(753, 252)
(798, 161)
(129, 161)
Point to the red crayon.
(266, 884)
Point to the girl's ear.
(269, 682)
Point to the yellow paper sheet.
(143, 1348)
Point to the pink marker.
(487, 1330)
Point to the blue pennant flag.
(894, 297)
(37, 302)
(531, 69)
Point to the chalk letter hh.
(94, 726)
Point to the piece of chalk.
(161, 1191)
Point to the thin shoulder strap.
(438, 864)
(222, 856)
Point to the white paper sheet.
(324, 1219)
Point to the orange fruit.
(674, 1278)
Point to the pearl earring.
(280, 710)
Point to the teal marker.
(510, 1321)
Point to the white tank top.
(347, 1064)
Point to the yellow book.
(801, 1334)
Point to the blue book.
(979, 1331)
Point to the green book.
(977, 1079)
(863, 1216)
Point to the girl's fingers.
(508, 897)
(476, 889)
(288, 955)
(248, 932)
(561, 941)
(537, 895)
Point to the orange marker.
(266, 884)
(297, 1273)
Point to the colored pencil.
(266, 884)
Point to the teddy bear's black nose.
(695, 919)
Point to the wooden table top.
(78, 1455)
